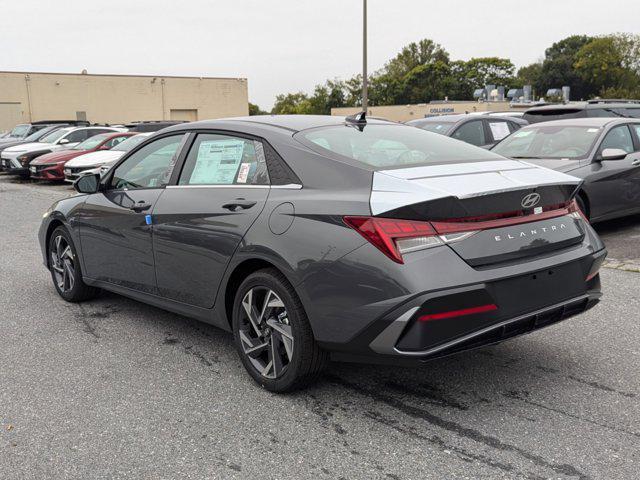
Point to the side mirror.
(87, 183)
(613, 154)
(104, 147)
(64, 141)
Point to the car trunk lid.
(487, 212)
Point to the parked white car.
(103, 158)
(16, 159)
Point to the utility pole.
(365, 99)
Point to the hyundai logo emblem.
(531, 200)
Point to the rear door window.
(216, 159)
(499, 129)
(77, 136)
(471, 132)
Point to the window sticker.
(217, 162)
(499, 130)
(243, 174)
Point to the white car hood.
(95, 159)
(396, 188)
(29, 147)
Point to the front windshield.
(129, 143)
(91, 143)
(549, 142)
(19, 131)
(53, 136)
(388, 146)
(35, 136)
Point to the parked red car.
(51, 165)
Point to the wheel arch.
(239, 273)
(53, 224)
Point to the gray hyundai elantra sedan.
(314, 238)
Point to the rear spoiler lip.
(390, 192)
(514, 189)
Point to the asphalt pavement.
(116, 389)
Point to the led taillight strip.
(445, 227)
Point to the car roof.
(293, 123)
(582, 106)
(441, 119)
(594, 122)
(460, 117)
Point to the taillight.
(394, 237)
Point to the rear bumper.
(524, 303)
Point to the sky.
(284, 46)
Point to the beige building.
(403, 113)
(27, 96)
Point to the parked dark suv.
(590, 109)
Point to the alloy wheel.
(62, 263)
(265, 333)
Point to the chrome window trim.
(291, 186)
(288, 186)
(218, 186)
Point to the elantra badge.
(531, 200)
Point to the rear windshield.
(35, 136)
(92, 142)
(129, 143)
(549, 142)
(389, 146)
(553, 114)
(435, 127)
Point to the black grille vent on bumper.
(517, 327)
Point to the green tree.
(530, 75)
(256, 110)
(327, 96)
(609, 65)
(558, 68)
(415, 54)
(292, 103)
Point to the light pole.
(365, 99)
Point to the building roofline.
(122, 75)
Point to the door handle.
(141, 206)
(239, 203)
(636, 162)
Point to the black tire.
(66, 268)
(307, 359)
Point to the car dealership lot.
(114, 388)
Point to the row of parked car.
(597, 141)
(58, 150)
